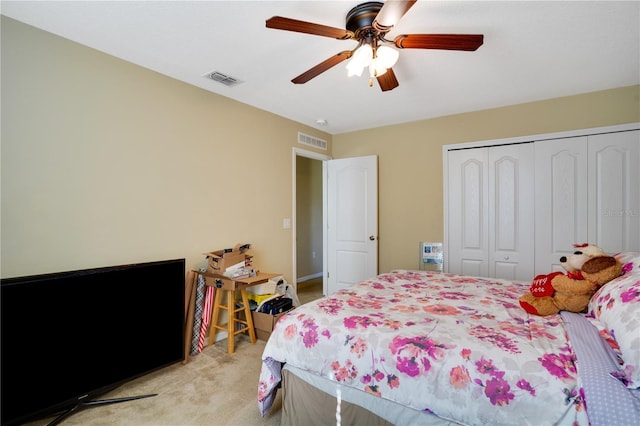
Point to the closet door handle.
(372, 237)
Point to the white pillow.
(615, 309)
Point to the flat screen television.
(70, 337)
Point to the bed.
(419, 347)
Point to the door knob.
(372, 238)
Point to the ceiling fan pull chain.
(371, 82)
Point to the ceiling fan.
(368, 24)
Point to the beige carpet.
(213, 388)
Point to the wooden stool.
(227, 287)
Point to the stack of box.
(266, 314)
(233, 263)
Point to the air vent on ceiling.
(223, 78)
(312, 141)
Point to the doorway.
(308, 219)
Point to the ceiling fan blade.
(391, 12)
(322, 67)
(287, 24)
(467, 42)
(388, 81)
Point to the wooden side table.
(227, 287)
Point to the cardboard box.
(220, 260)
(264, 323)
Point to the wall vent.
(312, 141)
(223, 78)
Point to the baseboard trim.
(309, 277)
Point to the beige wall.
(104, 163)
(410, 158)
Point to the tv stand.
(85, 405)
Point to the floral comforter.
(457, 347)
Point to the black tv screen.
(70, 337)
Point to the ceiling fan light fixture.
(387, 56)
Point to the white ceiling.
(532, 50)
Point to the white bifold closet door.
(587, 191)
(614, 195)
(491, 211)
(561, 199)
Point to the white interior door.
(352, 221)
